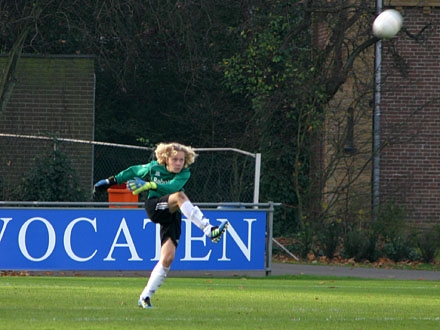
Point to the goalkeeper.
(164, 180)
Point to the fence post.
(269, 234)
(257, 178)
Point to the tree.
(291, 90)
(157, 63)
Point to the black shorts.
(170, 223)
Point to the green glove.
(137, 186)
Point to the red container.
(120, 193)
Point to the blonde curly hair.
(166, 150)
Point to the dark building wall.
(52, 97)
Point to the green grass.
(294, 302)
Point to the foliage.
(305, 241)
(388, 236)
(277, 75)
(360, 239)
(399, 249)
(156, 64)
(360, 245)
(329, 237)
(290, 78)
(392, 226)
(428, 241)
(391, 220)
(51, 178)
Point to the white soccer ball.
(387, 24)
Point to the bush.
(394, 230)
(428, 243)
(305, 241)
(398, 249)
(330, 238)
(391, 221)
(360, 245)
(51, 179)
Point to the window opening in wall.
(350, 147)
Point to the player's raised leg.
(180, 201)
(194, 214)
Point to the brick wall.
(410, 116)
(52, 96)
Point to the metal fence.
(218, 175)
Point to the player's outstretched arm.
(103, 185)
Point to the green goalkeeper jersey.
(167, 182)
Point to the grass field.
(294, 302)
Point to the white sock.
(156, 279)
(194, 214)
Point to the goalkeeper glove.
(137, 186)
(104, 184)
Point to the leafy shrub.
(330, 238)
(391, 221)
(51, 179)
(360, 245)
(305, 241)
(398, 249)
(428, 243)
(394, 231)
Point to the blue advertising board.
(124, 239)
